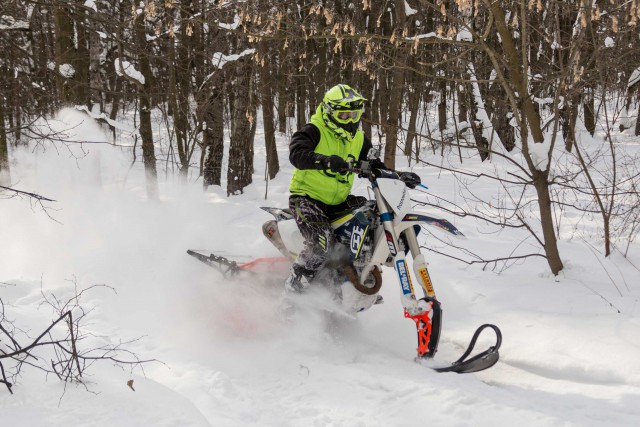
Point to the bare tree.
(5, 171)
(243, 127)
(396, 87)
(145, 103)
(266, 101)
(62, 342)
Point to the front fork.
(428, 324)
(425, 312)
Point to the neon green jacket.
(323, 185)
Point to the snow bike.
(381, 232)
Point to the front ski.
(480, 361)
(428, 325)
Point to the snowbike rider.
(321, 152)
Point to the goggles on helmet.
(344, 117)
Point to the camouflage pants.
(314, 221)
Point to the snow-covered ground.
(571, 344)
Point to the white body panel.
(395, 194)
(291, 237)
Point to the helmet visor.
(344, 117)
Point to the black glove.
(411, 179)
(335, 164)
(377, 164)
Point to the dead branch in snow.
(60, 348)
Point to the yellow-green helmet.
(343, 105)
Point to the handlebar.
(364, 170)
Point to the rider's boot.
(299, 279)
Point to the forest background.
(526, 80)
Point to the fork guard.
(428, 328)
